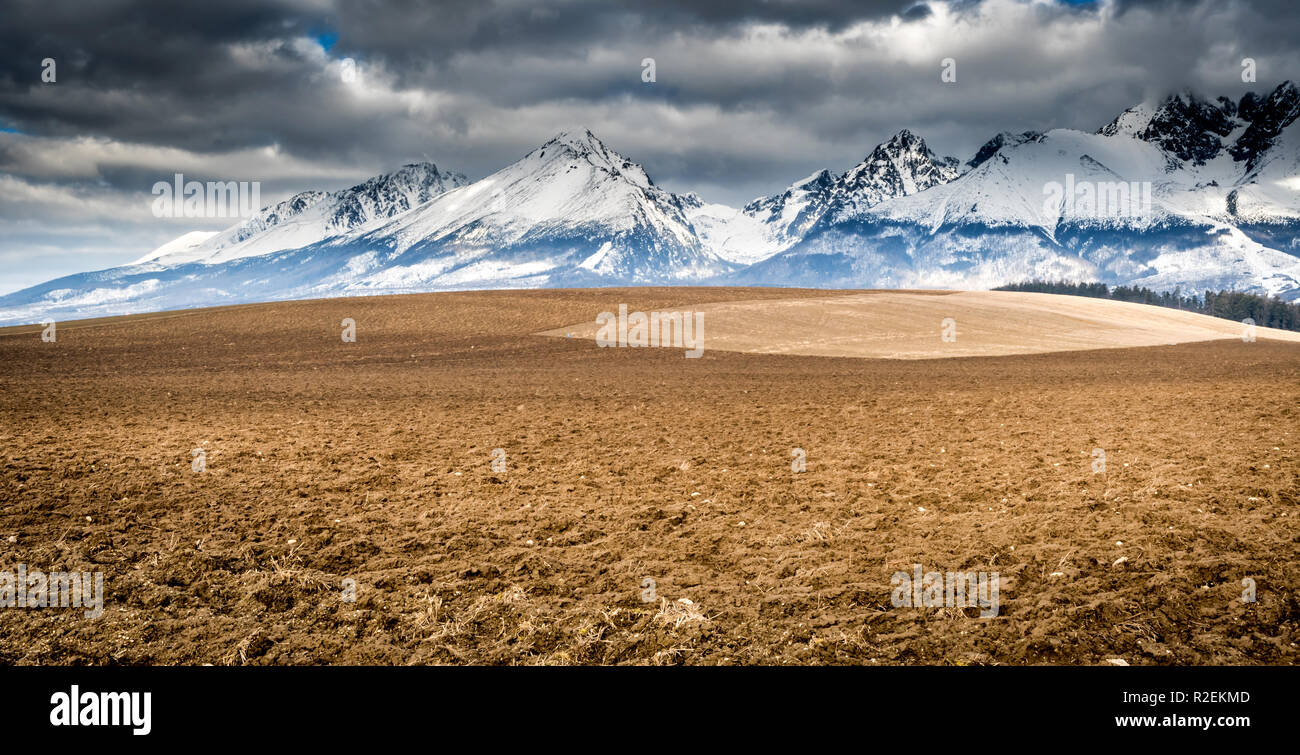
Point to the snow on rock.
(1209, 193)
(312, 216)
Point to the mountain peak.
(571, 194)
(906, 147)
(905, 136)
(1182, 124)
(1131, 122)
(411, 174)
(580, 140)
(819, 179)
(903, 157)
(1268, 116)
(583, 146)
(1004, 139)
(309, 216)
(389, 194)
(901, 166)
(422, 167)
(1286, 90)
(1195, 129)
(903, 141)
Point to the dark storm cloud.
(152, 71)
(749, 96)
(129, 43)
(229, 75)
(215, 77)
(412, 31)
(233, 75)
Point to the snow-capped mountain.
(1181, 192)
(1004, 139)
(899, 167)
(791, 213)
(1178, 193)
(313, 216)
(571, 212)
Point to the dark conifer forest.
(1266, 311)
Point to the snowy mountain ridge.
(1210, 193)
(311, 216)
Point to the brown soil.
(371, 461)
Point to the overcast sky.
(748, 97)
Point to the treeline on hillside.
(1266, 311)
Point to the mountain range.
(1178, 193)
